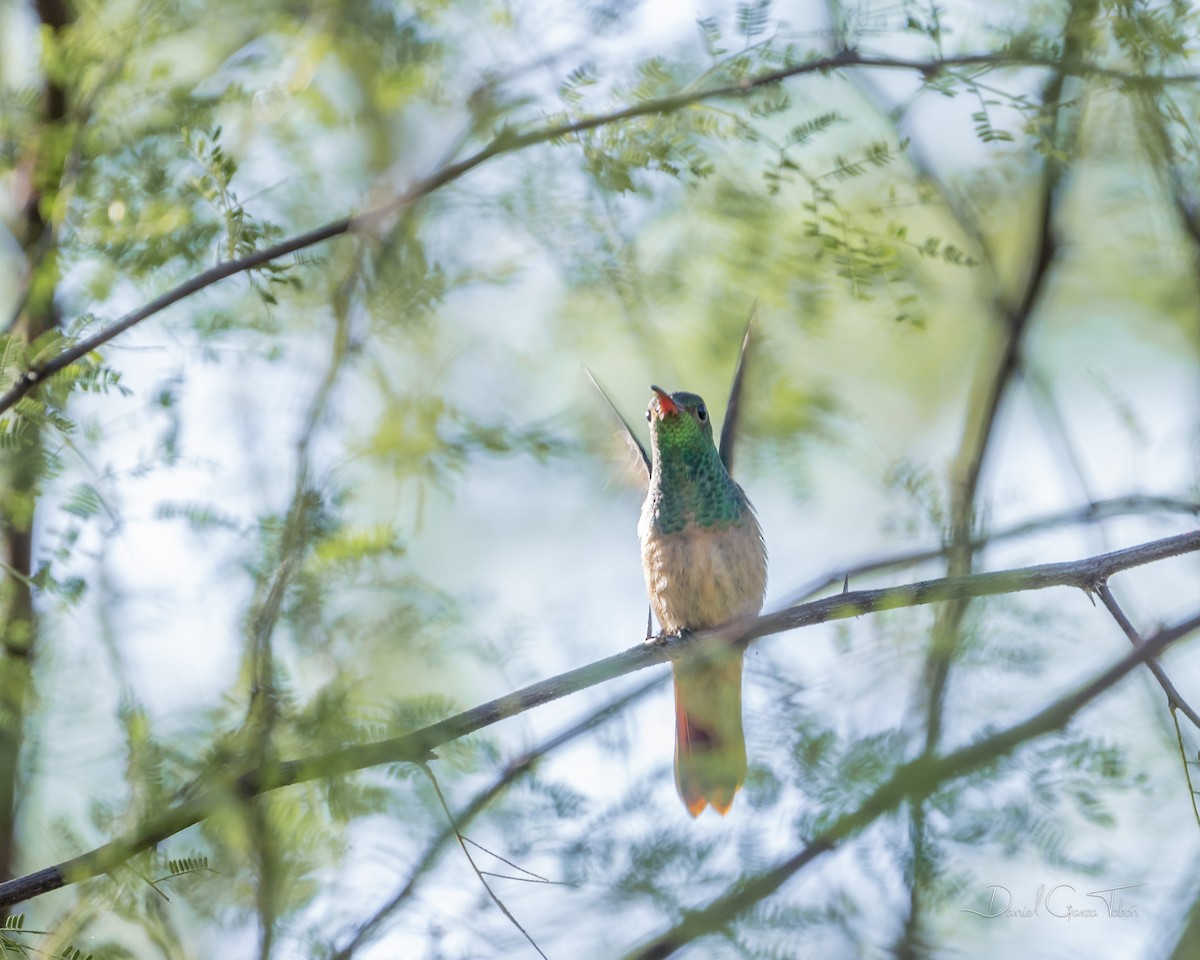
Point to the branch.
(1187, 773)
(1086, 574)
(1174, 700)
(508, 141)
(462, 842)
(913, 781)
(1089, 513)
(990, 389)
(22, 467)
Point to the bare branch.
(21, 469)
(471, 860)
(989, 390)
(1089, 513)
(1174, 700)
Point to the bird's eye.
(648, 417)
(702, 412)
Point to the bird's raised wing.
(634, 445)
(733, 408)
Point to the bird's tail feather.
(710, 749)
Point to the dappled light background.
(376, 480)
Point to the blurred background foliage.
(360, 487)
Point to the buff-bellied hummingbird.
(706, 565)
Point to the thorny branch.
(1086, 574)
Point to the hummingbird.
(705, 564)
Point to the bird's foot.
(674, 642)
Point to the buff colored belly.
(704, 576)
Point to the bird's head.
(679, 420)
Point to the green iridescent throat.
(690, 483)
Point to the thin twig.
(471, 860)
(1187, 772)
(515, 769)
(530, 876)
(1058, 435)
(1174, 700)
(1090, 513)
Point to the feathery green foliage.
(357, 487)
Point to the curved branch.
(1086, 574)
(509, 141)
